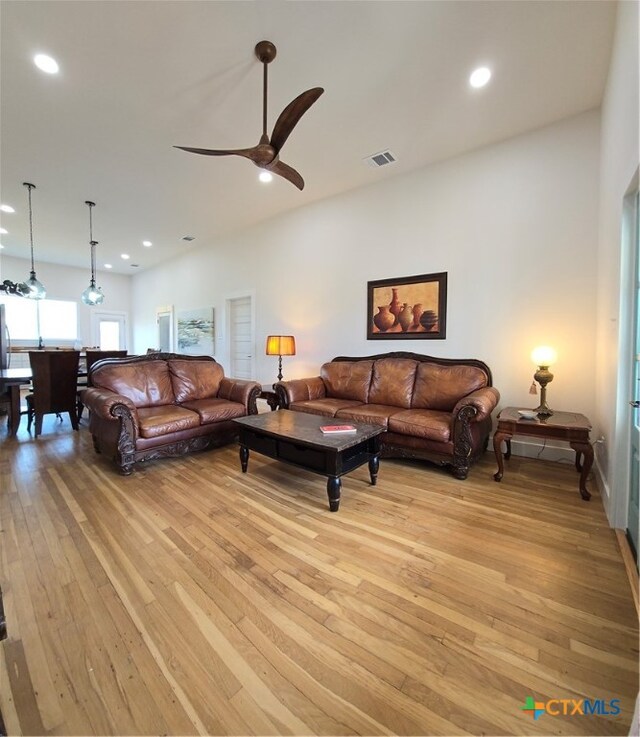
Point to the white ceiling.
(138, 78)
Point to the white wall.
(619, 163)
(68, 283)
(514, 225)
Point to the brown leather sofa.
(163, 404)
(435, 409)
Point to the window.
(58, 319)
(49, 319)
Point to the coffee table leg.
(244, 458)
(334, 484)
(587, 450)
(374, 465)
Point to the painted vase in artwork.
(395, 306)
(405, 318)
(428, 320)
(384, 320)
(417, 312)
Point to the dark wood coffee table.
(295, 437)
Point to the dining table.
(11, 380)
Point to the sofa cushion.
(373, 414)
(215, 410)
(146, 384)
(422, 423)
(440, 387)
(347, 379)
(195, 379)
(156, 421)
(327, 407)
(392, 382)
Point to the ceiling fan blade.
(248, 153)
(287, 172)
(290, 116)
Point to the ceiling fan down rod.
(266, 53)
(264, 100)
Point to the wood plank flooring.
(190, 598)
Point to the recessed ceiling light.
(4, 231)
(125, 256)
(148, 244)
(265, 176)
(480, 76)
(6, 208)
(108, 266)
(1, 246)
(46, 63)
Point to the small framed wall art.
(196, 332)
(407, 308)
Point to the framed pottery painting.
(407, 307)
(196, 332)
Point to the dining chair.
(55, 382)
(91, 357)
(5, 405)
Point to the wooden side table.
(269, 395)
(569, 426)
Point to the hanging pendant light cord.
(93, 244)
(30, 187)
(93, 262)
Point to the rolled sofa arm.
(299, 390)
(103, 402)
(484, 401)
(242, 391)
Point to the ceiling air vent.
(381, 159)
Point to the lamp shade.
(92, 295)
(281, 345)
(36, 288)
(543, 355)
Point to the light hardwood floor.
(189, 598)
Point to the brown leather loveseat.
(435, 409)
(163, 404)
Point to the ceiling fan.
(266, 155)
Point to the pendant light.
(36, 289)
(92, 295)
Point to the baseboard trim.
(605, 491)
(630, 566)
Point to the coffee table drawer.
(260, 443)
(309, 458)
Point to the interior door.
(110, 331)
(241, 338)
(164, 321)
(634, 455)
